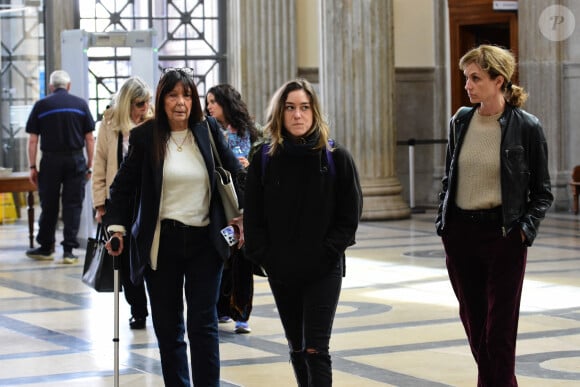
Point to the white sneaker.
(242, 327)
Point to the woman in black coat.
(175, 236)
(302, 207)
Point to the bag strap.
(213, 147)
(101, 233)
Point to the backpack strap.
(329, 159)
(265, 158)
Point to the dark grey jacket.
(525, 181)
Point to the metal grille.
(21, 75)
(189, 34)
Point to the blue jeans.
(186, 258)
(307, 313)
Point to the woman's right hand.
(238, 224)
(100, 211)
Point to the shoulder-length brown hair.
(275, 115)
(168, 81)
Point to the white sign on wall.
(505, 5)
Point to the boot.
(300, 368)
(320, 369)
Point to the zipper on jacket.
(503, 231)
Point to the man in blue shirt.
(65, 126)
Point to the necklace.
(180, 146)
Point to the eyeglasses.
(182, 70)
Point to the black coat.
(139, 173)
(300, 217)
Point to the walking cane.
(115, 244)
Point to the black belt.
(479, 216)
(172, 223)
(63, 153)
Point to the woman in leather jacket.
(495, 191)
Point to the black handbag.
(98, 271)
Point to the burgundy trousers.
(486, 270)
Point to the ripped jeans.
(307, 313)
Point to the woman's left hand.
(244, 161)
(238, 224)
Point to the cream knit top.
(479, 182)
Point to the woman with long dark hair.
(175, 235)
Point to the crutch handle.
(115, 243)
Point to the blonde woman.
(130, 107)
(496, 190)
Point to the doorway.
(471, 23)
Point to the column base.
(382, 200)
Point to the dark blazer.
(140, 173)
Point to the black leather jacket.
(525, 182)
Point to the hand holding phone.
(229, 235)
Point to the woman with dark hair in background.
(225, 104)
(175, 237)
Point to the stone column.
(549, 66)
(60, 15)
(261, 49)
(357, 91)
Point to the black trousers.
(62, 177)
(188, 265)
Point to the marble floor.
(396, 325)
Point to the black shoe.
(68, 258)
(137, 322)
(40, 254)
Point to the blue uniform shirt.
(62, 120)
